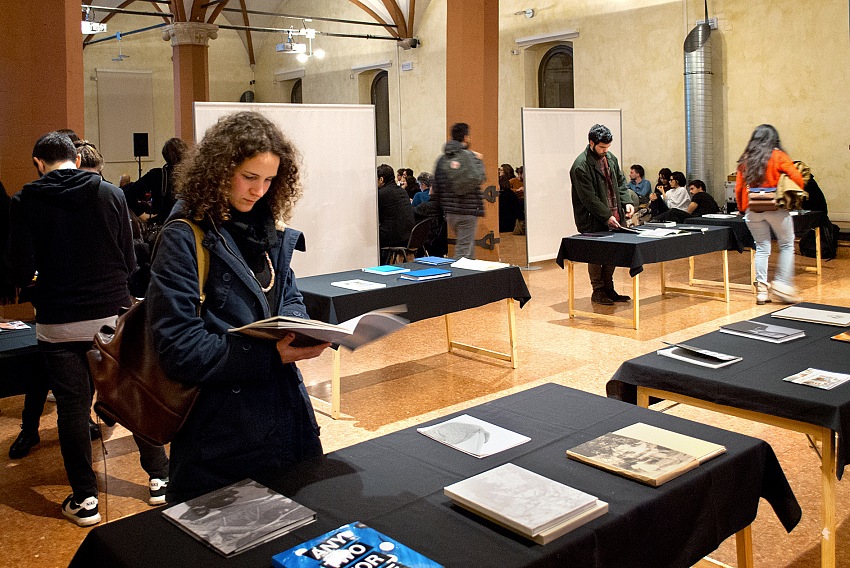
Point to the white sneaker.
(157, 490)
(83, 514)
(785, 293)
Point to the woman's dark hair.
(204, 177)
(665, 173)
(174, 150)
(508, 171)
(753, 161)
(411, 186)
(90, 158)
(680, 179)
(520, 170)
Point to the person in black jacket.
(395, 213)
(72, 229)
(153, 194)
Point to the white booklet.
(697, 355)
(818, 378)
(473, 436)
(813, 315)
(660, 233)
(479, 265)
(526, 502)
(358, 285)
(762, 331)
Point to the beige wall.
(627, 55)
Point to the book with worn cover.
(352, 546)
(473, 436)
(763, 331)
(645, 453)
(386, 269)
(813, 315)
(238, 517)
(358, 285)
(818, 378)
(350, 334)
(525, 502)
(426, 274)
(697, 355)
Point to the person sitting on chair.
(702, 203)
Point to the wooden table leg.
(663, 279)
(817, 248)
(828, 536)
(690, 271)
(744, 547)
(726, 275)
(512, 331)
(642, 398)
(448, 334)
(336, 395)
(636, 301)
(753, 270)
(571, 284)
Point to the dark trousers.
(69, 373)
(675, 215)
(601, 276)
(34, 399)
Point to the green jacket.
(590, 196)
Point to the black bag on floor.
(828, 241)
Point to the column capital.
(189, 33)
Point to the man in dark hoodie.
(458, 176)
(71, 231)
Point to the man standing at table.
(601, 202)
(458, 176)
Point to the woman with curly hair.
(253, 415)
(760, 166)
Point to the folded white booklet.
(813, 315)
(480, 265)
(473, 436)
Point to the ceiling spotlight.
(302, 57)
(319, 53)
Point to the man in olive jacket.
(600, 202)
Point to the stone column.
(472, 96)
(189, 44)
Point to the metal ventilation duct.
(698, 107)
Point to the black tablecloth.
(627, 249)
(804, 221)
(395, 484)
(462, 290)
(20, 360)
(756, 382)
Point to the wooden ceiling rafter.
(248, 40)
(219, 7)
(387, 26)
(108, 17)
(397, 15)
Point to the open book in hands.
(351, 334)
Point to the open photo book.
(645, 453)
(350, 334)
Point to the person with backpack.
(458, 176)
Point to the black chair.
(416, 241)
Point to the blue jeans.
(68, 369)
(761, 225)
(464, 227)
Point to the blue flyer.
(352, 545)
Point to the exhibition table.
(753, 388)
(463, 290)
(633, 251)
(394, 484)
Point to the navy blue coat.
(253, 414)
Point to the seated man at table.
(601, 201)
(702, 203)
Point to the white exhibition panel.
(338, 210)
(552, 138)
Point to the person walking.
(759, 167)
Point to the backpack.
(462, 173)
(828, 241)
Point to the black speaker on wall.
(140, 144)
(140, 147)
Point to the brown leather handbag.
(132, 389)
(760, 200)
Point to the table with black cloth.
(463, 290)
(632, 251)
(753, 388)
(804, 221)
(395, 484)
(20, 361)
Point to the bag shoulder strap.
(203, 259)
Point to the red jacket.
(778, 163)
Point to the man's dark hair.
(600, 134)
(69, 133)
(680, 179)
(408, 172)
(638, 169)
(174, 150)
(460, 131)
(386, 172)
(54, 147)
(699, 184)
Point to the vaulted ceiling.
(395, 18)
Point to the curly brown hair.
(204, 176)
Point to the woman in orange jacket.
(759, 167)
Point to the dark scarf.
(254, 233)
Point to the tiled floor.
(409, 378)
